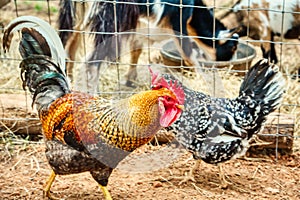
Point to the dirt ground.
(24, 169)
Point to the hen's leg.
(224, 183)
(48, 185)
(256, 143)
(190, 175)
(105, 192)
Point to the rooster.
(82, 132)
(216, 130)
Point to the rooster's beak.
(181, 107)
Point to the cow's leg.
(135, 52)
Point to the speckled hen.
(82, 132)
(219, 129)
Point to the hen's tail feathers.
(264, 83)
(38, 38)
(65, 19)
(109, 17)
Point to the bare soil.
(24, 170)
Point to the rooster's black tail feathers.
(43, 65)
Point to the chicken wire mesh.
(221, 82)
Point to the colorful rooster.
(82, 132)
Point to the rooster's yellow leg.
(105, 192)
(48, 185)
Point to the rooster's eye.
(156, 87)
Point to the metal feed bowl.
(240, 62)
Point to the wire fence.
(113, 72)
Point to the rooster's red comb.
(158, 81)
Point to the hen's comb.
(159, 81)
(177, 89)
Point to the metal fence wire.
(150, 39)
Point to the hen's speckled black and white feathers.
(219, 129)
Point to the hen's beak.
(181, 107)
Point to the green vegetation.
(41, 6)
